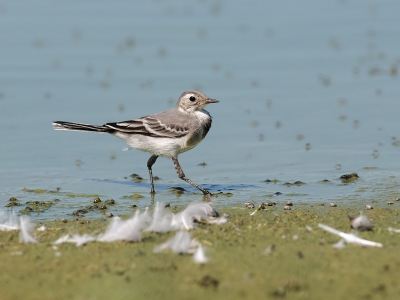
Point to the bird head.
(191, 101)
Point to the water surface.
(307, 93)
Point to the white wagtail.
(167, 133)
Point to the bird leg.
(182, 176)
(150, 163)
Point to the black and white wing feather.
(150, 126)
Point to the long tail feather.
(60, 125)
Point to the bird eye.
(192, 98)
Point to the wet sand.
(272, 254)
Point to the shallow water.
(307, 93)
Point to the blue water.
(308, 92)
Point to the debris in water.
(162, 221)
(350, 238)
(340, 245)
(126, 230)
(347, 178)
(360, 223)
(42, 228)
(8, 221)
(249, 205)
(393, 230)
(181, 243)
(199, 256)
(26, 227)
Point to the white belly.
(158, 146)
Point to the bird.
(166, 134)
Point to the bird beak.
(208, 101)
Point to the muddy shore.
(274, 253)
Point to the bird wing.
(150, 126)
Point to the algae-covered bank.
(271, 254)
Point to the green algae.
(12, 202)
(133, 196)
(228, 194)
(272, 254)
(349, 178)
(36, 191)
(110, 202)
(67, 194)
(73, 195)
(31, 206)
(38, 206)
